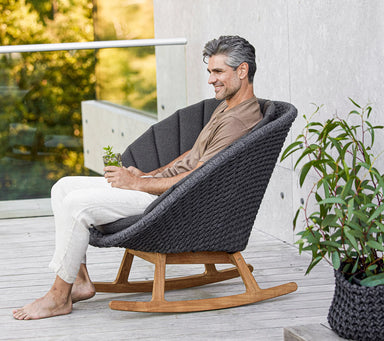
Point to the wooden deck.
(26, 246)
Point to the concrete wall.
(308, 51)
(105, 124)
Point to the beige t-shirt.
(224, 127)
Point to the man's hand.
(136, 171)
(121, 177)
(131, 178)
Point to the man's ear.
(242, 70)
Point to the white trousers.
(79, 202)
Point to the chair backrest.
(214, 208)
(169, 138)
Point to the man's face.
(224, 79)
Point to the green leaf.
(295, 218)
(337, 144)
(336, 260)
(354, 269)
(331, 244)
(346, 147)
(313, 237)
(314, 124)
(372, 132)
(346, 267)
(290, 149)
(363, 217)
(372, 267)
(314, 262)
(369, 109)
(347, 188)
(376, 213)
(326, 187)
(350, 210)
(354, 103)
(333, 200)
(380, 179)
(373, 281)
(375, 245)
(357, 231)
(346, 169)
(308, 150)
(329, 220)
(380, 226)
(352, 239)
(323, 210)
(330, 125)
(304, 172)
(339, 213)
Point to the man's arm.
(122, 178)
(138, 172)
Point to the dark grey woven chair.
(206, 218)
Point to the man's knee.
(60, 187)
(82, 203)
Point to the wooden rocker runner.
(206, 218)
(159, 285)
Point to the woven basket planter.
(357, 312)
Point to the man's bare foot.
(83, 288)
(46, 306)
(82, 291)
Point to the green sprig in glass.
(110, 158)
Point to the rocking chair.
(206, 218)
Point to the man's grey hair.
(237, 49)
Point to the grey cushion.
(119, 225)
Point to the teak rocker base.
(158, 303)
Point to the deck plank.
(26, 246)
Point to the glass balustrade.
(40, 119)
(40, 107)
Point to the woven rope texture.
(357, 312)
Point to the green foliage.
(110, 158)
(20, 24)
(347, 225)
(126, 76)
(41, 95)
(108, 151)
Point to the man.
(80, 202)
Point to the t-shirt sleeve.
(227, 132)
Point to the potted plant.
(110, 158)
(345, 223)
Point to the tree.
(41, 93)
(40, 129)
(126, 76)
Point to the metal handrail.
(91, 45)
